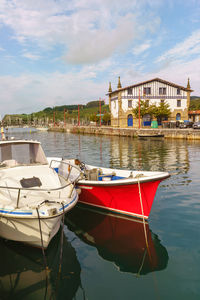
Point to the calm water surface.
(104, 256)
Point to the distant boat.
(42, 128)
(153, 136)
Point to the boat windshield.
(12, 154)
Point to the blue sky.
(55, 52)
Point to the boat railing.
(34, 189)
(38, 189)
(70, 168)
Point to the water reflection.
(119, 239)
(23, 276)
(149, 154)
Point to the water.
(105, 257)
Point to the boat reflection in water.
(23, 275)
(119, 239)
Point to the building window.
(162, 91)
(130, 91)
(147, 91)
(178, 91)
(178, 103)
(162, 101)
(129, 103)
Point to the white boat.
(33, 196)
(42, 128)
(126, 192)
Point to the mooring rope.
(61, 239)
(61, 252)
(44, 256)
(147, 244)
(142, 264)
(140, 196)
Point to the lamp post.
(100, 111)
(64, 118)
(139, 108)
(78, 116)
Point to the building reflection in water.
(154, 155)
(23, 276)
(119, 239)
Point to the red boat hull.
(124, 199)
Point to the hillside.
(194, 103)
(87, 113)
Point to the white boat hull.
(27, 229)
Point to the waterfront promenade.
(175, 133)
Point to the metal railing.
(71, 166)
(45, 190)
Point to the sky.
(63, 52)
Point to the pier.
(186, 134)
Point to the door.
(178, 117)
(130, 121)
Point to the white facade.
(155, 91)
(170, 97)
(114, 107)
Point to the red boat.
(120, 239)
(121, 191)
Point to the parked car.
(186, 124)
(196, 125)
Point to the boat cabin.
(18, 152)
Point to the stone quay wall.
(187, 134)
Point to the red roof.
(194, 112)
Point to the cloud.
(180, 71)
(142, 48)
(31, 56)
(32, 92)
(89, 30)
(29, 92)
(190, 46)
(99, 44)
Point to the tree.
(145, 109)
(95, 103)
(94, 118)
(162, 111)
(106, 118)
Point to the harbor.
(109, 250)
(99, 150)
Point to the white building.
(123, 100)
